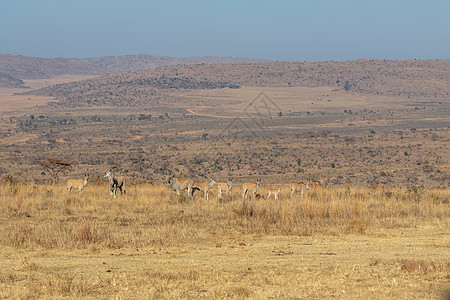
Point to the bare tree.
(54, 166)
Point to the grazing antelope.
(204, 186)
(274, 192)
(250, 186)
(79, 184)
(177, 184)
(224, 187)
(116, 183)
(299, 187)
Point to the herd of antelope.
(182, 184)
(117, 182)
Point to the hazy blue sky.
(281, 30)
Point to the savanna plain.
(374, 223)
(335, 242)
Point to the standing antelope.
(274, 192)
(79, 184)
(250, 186)
(116, 183)
(177, 184)
(204, 186)
(299, 187)
(224, 187)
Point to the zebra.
(116, 183)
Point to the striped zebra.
(116, 182)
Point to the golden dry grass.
(44, 82)
(233, 102)
(10, 102)
(341, 242)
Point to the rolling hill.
(10, 82)
(418, 79)
(16, 67)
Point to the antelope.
(250, 186)
(177, 184)
(299, 187)
(274, 192)
(222, 186)
(116, 183)
(204, 186)
(79, 184)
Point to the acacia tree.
(54, 166)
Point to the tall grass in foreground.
(49, 217)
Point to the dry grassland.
(10, 102)
(41, 83)
(233, 102)
(341, 242)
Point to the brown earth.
(322, 133)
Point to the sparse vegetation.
(54, 166)
(347, 85)
(358, 158)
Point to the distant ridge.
(10, 82)
(419, 79)
(116, 64)
(15, 68)
(25, 67)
